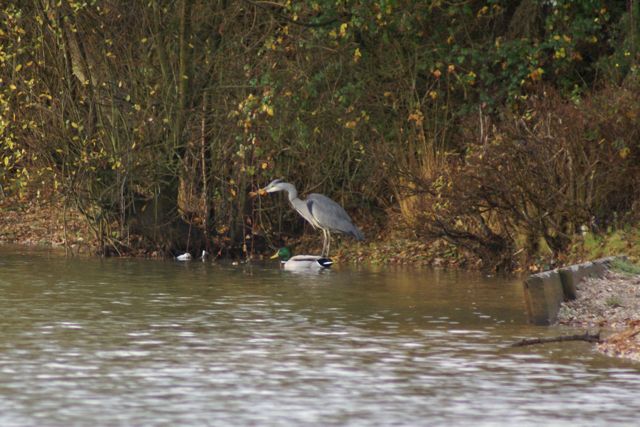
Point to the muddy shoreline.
(47, 222)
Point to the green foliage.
(624, 241)
(624, 266)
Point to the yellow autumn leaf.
(267, 109)
(536, 74)
(624, 153)
(357, 55)
(343, 29)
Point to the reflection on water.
(135, 342)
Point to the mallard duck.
(301, 262)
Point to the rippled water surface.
(136, 342)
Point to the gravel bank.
(611, 304)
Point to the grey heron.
(301, 262)
(320, 211)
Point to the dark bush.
(540, 176)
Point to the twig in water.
(584, 337)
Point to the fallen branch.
(584, 337)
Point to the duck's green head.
(283, 253)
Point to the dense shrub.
(158, 118)
(541, 177)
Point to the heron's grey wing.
(302, 208)
(331, 215)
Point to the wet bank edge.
(545, 292)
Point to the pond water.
(87, 341)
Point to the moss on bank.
(614, 242)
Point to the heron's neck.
(291, 191)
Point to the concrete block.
(571, 276)
(543, 295)
(544, 292)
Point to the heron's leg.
(328, 242)
(324, 242)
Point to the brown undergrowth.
(41, 220)
(44, 221)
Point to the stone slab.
(544, 292)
